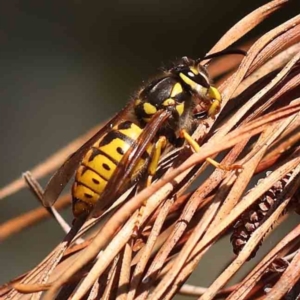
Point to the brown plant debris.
(258, 129)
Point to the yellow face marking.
(194, 70)
(177, 89)
(214, 93)
(91, 179)
(85, 194)
(137, 102)
(188, 81)
(169, 102)
(115, 149)
(216, 97)
(149, 108)
(100, 164)
(180, 108)
(201, 90)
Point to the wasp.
(131, 143)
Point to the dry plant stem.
(247, 23)
(215, 232)
(233, 82)
(49, 165)
(273, 64)
(106, 257)
(125, 273)
(179, 229)
(191, 290)
(244, 178)
(248, 283)
(287, 280)
(246, 252)
(112, 225)
(286, 141)
(38, 192)
(275, 46)
(41, 273)
(146, 254)
(30, 218)
(187, 249)
(94, 291)
(111, 278)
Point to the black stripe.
(88, 168)
(97, 152)
(80, 183)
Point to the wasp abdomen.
(100, 162)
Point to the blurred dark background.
(68, 65)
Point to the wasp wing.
(121, 177)
(62, 176)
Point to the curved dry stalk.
(252, 243)
(49, 165)
(257, 129)
(247, 23)
(249, 282)
(19, 223)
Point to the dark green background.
(68, 65)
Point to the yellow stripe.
(194, 70)
(133, 131)
(169, 102)
(188, 81)
(100, 164)
(111, 149)
(85, 194)
(149, 108)
(177, 89)
(91, 179)
(180, 108)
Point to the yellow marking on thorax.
(177, 89)
(180, 108)
(169, 102)
(194, 70)
(100, 164)
(149, 108)
(91, 179)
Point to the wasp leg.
(153, 164)
(197, 148)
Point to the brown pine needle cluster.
(258, 128)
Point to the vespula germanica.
(130, 144)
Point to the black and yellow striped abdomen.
(100, 163)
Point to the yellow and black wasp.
(131, 143)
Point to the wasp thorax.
(161, 94)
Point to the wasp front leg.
(196, 147)
(152, 167)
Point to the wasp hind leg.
(196, 147)
(152, 167)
